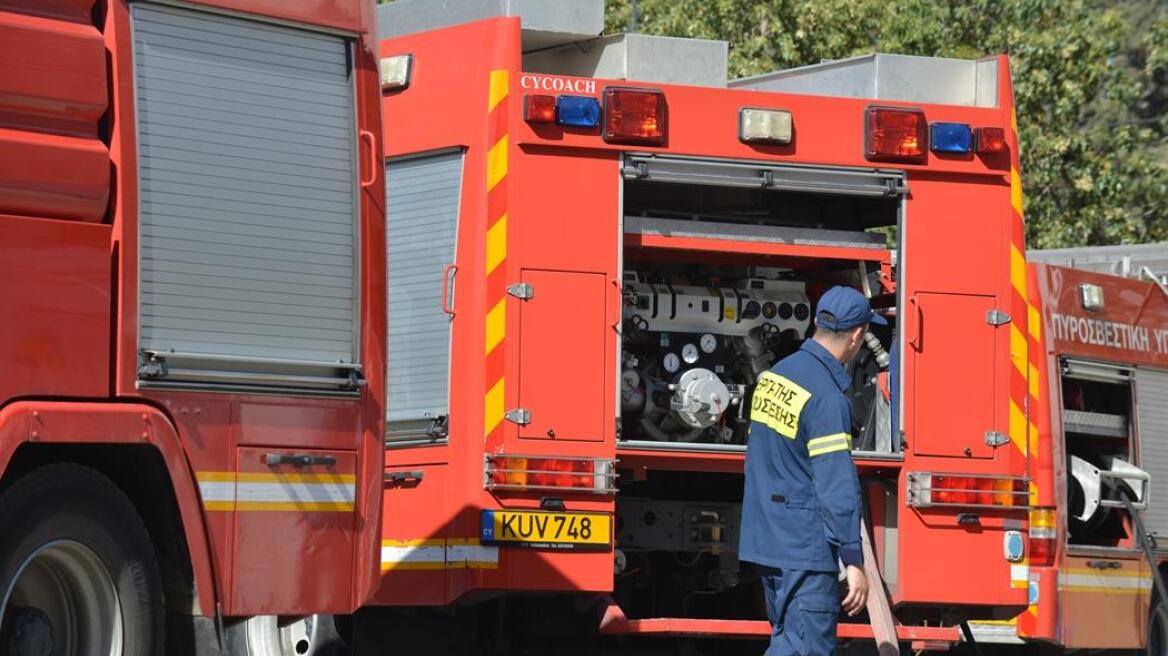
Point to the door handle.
(448, 275)
(366, 137)
(298, 460)
(402, 477)
(1104, 564)
(916, 318)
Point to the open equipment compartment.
(723, 263)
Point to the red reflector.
(539, 109)
(990, 140)
(894, 135)
(634, 116)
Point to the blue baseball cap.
(847, 307)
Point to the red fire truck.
(1099, 394)
(192, 342)
(597, 244)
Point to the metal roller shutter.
(1152, 415)
(246, 140)
(422, 208)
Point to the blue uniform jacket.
(801, 503)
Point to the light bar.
(892, 134)
(395, 72)
(926, 490)
(765, 126)
(539, 109)
(634, 116)
(1091, 296)
(541, 473)
(950, 138)
(578, 111)
(990, 140)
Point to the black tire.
(1157, 644)
(63, 522)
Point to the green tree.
(1090, 85)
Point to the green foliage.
(1090, 86)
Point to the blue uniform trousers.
(803, 608)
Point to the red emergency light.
(892, 134)
(539, 109)
(990, 140)
(634, 116)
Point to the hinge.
(997, 317)
(996, 438)
(521, 290)
(521, 416)
(153, 366)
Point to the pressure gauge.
(709, 343)
(671, 362)
(689, 353)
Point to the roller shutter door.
(1152, 418)
(422, 208)
(246, 140)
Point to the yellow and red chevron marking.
(495, 323)
(1026, 350)
(1019, 416)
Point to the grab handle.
(367, 138)
(915, 320)
(448, 275)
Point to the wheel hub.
(62, 602)
(30, 633)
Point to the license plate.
(546, 530)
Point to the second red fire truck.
(595, 247)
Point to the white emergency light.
(395, 72)
(765, 126)
(1091, 296)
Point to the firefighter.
(801, 503)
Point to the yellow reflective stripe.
(493, 407)
(497, 163)
(496, 325)
(496, 243)
(498, 89)
(829, 444)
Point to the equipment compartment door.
(563, 368)
(1105, 601)
(952, 349)
(292, 505)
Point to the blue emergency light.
(578, 111)
(950, 138)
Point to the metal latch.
(996, 317)
(521, 416)
(400, 477)
(996, 438)
(521, 290)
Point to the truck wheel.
(264, 635)
(1158, 629)
(77, 570)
